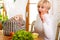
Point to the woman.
(44, 23)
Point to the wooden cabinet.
(1, 12)
(0, 26)
(2, 37)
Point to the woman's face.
(42, 8)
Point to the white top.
(48, 26)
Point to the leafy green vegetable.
(3, 19)
(14, 0)
(22, 35)
(1, 7)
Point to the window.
(34, 1)
(32, 11)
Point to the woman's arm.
(41, 33)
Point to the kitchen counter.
(2, 37)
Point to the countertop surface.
(2, 37)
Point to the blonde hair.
(44, 1)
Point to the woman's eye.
(38, 6)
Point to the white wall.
(19, 7)
(56, 11)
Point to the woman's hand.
(40, 32)
(42, 18)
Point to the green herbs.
(22, 35)
(14, 0)
(1, 7)
(3, 19)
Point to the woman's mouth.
(39, 12)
